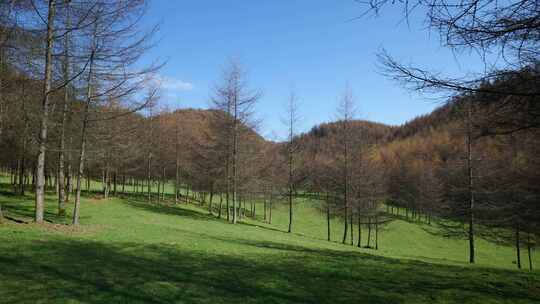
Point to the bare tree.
(346, 111)
(237, 102)
(62, 198)
(115, 45)
(503, 35)
(292, 149)
(177, 160)
(470, 177)
(40, 167)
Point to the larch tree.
(292, 150)
(345, 113)
(115, 45)
(45, 104)
(233, 97)
(62, 197)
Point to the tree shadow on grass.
(21, 208)
(168, 209)
(91, 272)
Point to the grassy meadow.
(129, 251)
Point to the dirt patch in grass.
(68, 229)
(62, 229)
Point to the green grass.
(128, 251)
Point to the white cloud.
(173, 84)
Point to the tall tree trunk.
(177, 167)
(106, 180)
(69, 175)
(369, 233)
(23, 161)
(518, 253)
(163, 182)
(359, 230)
(22, 168)
(82, 151)
(290, 182)
(528, 249)
(104, 183)
(352, 227)
(115, 180)
(148, 177)
(228, 186)
(234, 157)
(220, 204)
(40, 173)
(470, 181)
(82, 155)
(65, 110)
(376, 232)
(328, 216)
(234, 166)
(264, 206)
(211, 199)
(21, 172)
(270, 213)
(345, 221)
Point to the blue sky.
(309, 45)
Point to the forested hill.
(200, 123)
(360, 131)
(437, 119)
(371, 132)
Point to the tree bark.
(69, 176)
(528, 249)
(210, 201)
(163, 182)
(115, 180)
(352, 227)
(369, 233)
(177, 168)
(235, 163)
(470, 182)
(518, 253)
(61, 186)
(345, 221)
(290, 181)
(220, 204)
(264, 206)
(376, 232)
(359, 231)
(270, 212)
(148, 177)
(40, 173)
(328, 217)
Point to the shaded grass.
(95, 272)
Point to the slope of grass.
(129, 251)
(399, 238)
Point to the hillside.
(361, 131)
